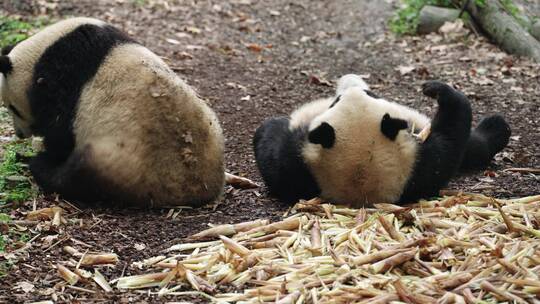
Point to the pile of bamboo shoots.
(464, 248)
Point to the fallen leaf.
(193, 30)
(404, 70)
(172, 41)
(182, 35)
(24, 286)
(305, 39)
(490, 173)
(319, 80)
(254, 47)
(139, 246)
(455, 27)
(183, 55)
(483, 81)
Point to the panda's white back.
(155, 134)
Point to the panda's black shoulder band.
(5, 65)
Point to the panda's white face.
(363, 164)
(17, 104)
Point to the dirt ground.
(256, 59)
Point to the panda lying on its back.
(357, 149)
(118, 124)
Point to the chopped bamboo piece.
(316, 246)
(101, 281)
(386, 264)
(228, 229)
(455, 280)
(99, 259)
(234, 246)
(46, 214)
(68, 275)
(462, 248)
(390, 229)
(141, 281)
(239, 182)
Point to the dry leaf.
(24, 286)
(254, 47)
(404, 70)
(172, 41)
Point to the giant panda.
(359, 149)
(117, 124)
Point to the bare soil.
(257, 59)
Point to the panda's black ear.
(323, 135)
(390, 127)
(5, 65)
(7, 49)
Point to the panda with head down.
(359, 149)
(117, 123)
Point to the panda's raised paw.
(434, 88)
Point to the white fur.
(348, 81)
(363, 167)
(307, 112)
(303, 115)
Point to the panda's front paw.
(434, 88)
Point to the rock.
(432, 18)
(535, 30)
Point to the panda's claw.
(434, 88)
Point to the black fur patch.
(7, 49)
(74, 179)
(489, 138)
(390, 127)
(5, 65)
(278, 152)
(440, 156)
(59, 77)
(323, 135)
(335, 101)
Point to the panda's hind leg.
(72, 178)
(487, 139)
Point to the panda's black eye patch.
(335, 101)
(15, 111)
